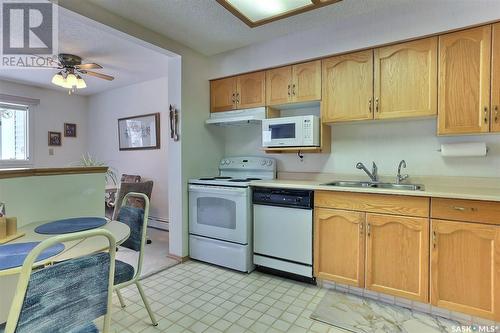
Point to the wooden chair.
(65, 297)
(137, 219)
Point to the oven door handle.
(217, 189)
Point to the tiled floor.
(196, 297)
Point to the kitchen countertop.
(487, 189)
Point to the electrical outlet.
(51, 151)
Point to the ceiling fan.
(70, 70)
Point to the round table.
(73, 249)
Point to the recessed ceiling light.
(259, 12)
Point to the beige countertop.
(477, 188)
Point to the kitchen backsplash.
(385, 142)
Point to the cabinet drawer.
(373, 203)
(466, 210)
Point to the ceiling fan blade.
(89, 66)
(99, 75)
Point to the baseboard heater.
(158, 222)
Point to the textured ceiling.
(122, 58)
(207, 27)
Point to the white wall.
(384, 142)
(104, 111)
(55, 109)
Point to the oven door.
(282, 134)
(220, 212)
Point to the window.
(14, 135)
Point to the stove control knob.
(269, 162)
(263, 163)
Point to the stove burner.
(244, 180)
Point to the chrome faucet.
(373, 174)
(399, 177)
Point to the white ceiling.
(205, 26)
(121, 57)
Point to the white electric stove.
(220, 212)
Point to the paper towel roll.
(465, 149)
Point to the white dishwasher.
(283, 232)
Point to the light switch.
(51, 151)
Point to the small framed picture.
(139, 132)
(54, 138)
(70, 130)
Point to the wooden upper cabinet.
(464, 81)
(348, 87)
(223, 94)
(405, 81)
(465, 268)
(278, 85)
(251, 90)
(339, 244)
(294, 84)
(495, 80)
(397, 255)
(306, 81)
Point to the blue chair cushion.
(123, 272)
(67, 296)
(134, 218)
(87, 328)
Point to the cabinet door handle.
(234, 98)
(434, 239)
(237, 98)
(361, 228)
(368, 229)
(289, 93)
(496, 113)
(485, 114)
(293, 89)
(376, 105)
(463, 209)
(370, 105)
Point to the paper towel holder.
(487, 150)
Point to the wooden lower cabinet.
(465, 268)
(339, 244)
(397, 255)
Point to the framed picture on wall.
(55, 138)
(139, 132)
(70, 130)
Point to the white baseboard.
(158, 223)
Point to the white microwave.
(301, 131)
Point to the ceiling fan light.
(58, 79)
(71, 80)
(80, 83)
(66, 84)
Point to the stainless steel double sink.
(391, 186)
